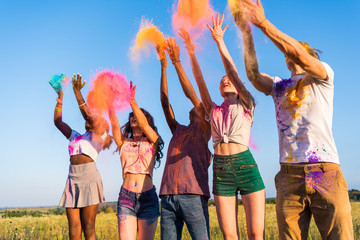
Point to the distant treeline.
(11, 214)
(110, 207)
(354, 195)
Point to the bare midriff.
(137, 182)
(224, 149)
(80, 159)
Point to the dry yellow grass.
(55, 226)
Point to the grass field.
(55, 226)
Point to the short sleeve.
(330, 75)
(208, 116)
(74, 134)
(275, 80)
(251, 106)
(202, 112)
(205, 120)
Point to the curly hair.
(127, 132)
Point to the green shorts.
(237, 172)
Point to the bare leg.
(88, 216)
(127, 225)
(254, 204)
(73, 216)
(226, 210)
(147, 228)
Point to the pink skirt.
(83, 187)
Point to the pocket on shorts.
(218, 168)
(125, 201)
(248, 167)
(220, 173)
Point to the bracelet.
(82, 104)
(58, 109)
(175, 61)
(59, 101)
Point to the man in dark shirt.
(184, 190)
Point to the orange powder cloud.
(109, 90)
(192, 16)
(148, 35)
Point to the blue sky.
(42, 38)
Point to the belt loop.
(322, 167)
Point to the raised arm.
(77, 86)
(217, 33)
(261, 81)
(115, 128)
(188, 89)
(286, 44)
(204, 92)
(141, 118)
(164, 96)
(63, 127)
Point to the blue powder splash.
(58, 81)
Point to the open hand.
(132, 92)
(57, 82)
(77, 83)
(161, 52)
(173, 50)
(256, 13)
(187, 40)
(216, 31)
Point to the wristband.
(82, 104)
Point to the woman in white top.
(83, 191)
(234, 167)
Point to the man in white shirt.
(310, 181)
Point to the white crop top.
(231, 122)
(86, 144)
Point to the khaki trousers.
(313, 189)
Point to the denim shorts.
(237, 172)
(144, 205)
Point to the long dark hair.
(127, 132)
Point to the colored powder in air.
(192, 16)
(234, 5)
(58, 82)
(148, 35)
(237, 7)
(252, 144)
(109, 90)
